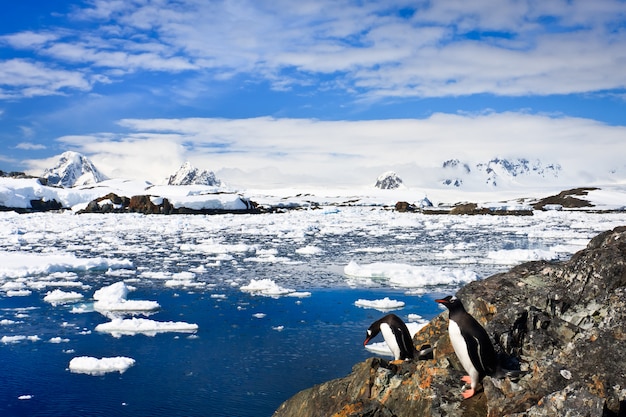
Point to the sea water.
(252, 349)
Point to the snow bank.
(386, 304)
(118, 327)
(407, 276)
(94, 366)
(113, 299)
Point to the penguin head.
(451, 303)
(372, 332)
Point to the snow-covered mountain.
(498, 172)
(73, 169)
(187, 174)
(388, 181)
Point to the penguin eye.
(369, 332)
(453, 299)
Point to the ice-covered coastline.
(118, 195)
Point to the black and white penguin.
(471, 344)
(396, 335)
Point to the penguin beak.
(366, 340)
(441, 301)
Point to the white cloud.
(28, 146)
(23, 78)
(444, 48)
(289, 151)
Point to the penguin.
(396, 335)
(471, 344)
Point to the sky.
(314, 91)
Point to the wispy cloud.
(377, 49)
(28, 146)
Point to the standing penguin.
(396, 335)
(471, 344)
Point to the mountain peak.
(187, 174)
(73, 169)
(388, 181)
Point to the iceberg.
(94, 366)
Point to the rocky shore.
(561, 325)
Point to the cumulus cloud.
(288, 151)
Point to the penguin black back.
(470, 340)
(396, 335)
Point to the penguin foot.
(467, 379)
(468, 393)
(397, 362)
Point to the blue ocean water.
(235, 365)
(238, 363)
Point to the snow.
(94, 366)
(118, 327)
(385, 304)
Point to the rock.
(560, 328)
(565, 199)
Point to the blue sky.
(311, 91)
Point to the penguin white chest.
(460, 348)
(391, 340)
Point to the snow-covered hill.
(498, 172)
(73, 169)
(187, 174)
(388, 181)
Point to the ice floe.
(385, 304)
(94, 366)
(61, 297)
(408, 276)
(270, 288)
(112, 298)
(119, 327)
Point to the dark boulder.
(562, 326)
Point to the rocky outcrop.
(562, 325)
(565, 199)
(146, 204)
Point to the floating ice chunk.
(16, 339)
(25, 397)
(408, 276)
(259, 315)
(386, 304)
(58, 340)
(16, 264)
(278, 328)
(94, 366)
(118, 327)
(19, 293)
(309, 250)
(266, 287)
(113, 298)
(61, 297)
(513, 256)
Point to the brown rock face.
(562, 324)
